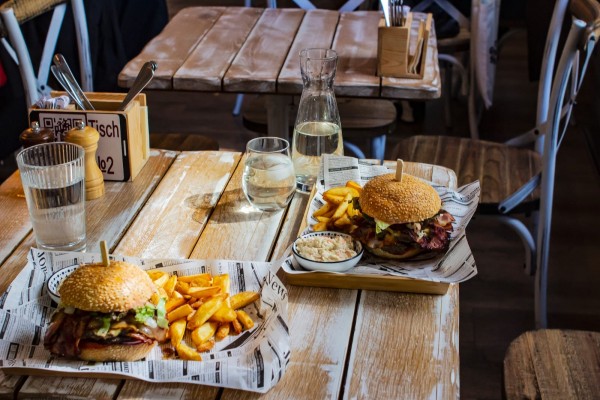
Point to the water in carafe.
(317, 129)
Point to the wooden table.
(345, 343)
(255, 50)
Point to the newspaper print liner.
(456, 265)
(255, 360)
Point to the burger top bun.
(394, 202)
(119, 287)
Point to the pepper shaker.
(87, 137)
(35, 135)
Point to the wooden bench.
(553, 364)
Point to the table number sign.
(111, 156)
(123, 148)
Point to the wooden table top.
(345, 343)
(255, 50)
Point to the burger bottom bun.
(384, 254)
(114, 352)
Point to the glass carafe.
(317, 129)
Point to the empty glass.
(53, 177)
(268, 180)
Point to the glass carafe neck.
(318, 68)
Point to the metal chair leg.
(237, 108)
(378, 147)
(354, 149)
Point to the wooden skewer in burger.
(402, 217)
(106, 314)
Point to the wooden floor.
(497, 305)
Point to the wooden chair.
(15, 12)
(363, 120)
(553, 364)
(516, 179)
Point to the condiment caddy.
(394, 56)
(124, 144)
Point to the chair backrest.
(13, 13)
(349, 5)
(559, 90)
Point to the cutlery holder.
(402, 50)
(124, 144)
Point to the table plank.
(206, 66)
(322, 21)
(292, 225)
(357, 56)
(107, 219)
(194, 182)
(318, 354)
(237, 230)
(119, 205)
(14, 215)
(431, 318)
(9, 384)
(320, 325)
(257, 65)
(180, 207)
(173, 218)
(166, 391)
(172, 46)
(430, 87)
(393, 321)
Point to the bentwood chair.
(513, 178)
(13, 13)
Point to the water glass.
(268, 181)
(53, 177)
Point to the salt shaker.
(35, 135)
(87, 137)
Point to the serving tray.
(434, 173)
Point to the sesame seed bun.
(119, 287)
(115, 352)
(393, 202)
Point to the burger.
(401, 219)
(105, 314)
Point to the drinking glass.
(268, 180)
(53, 177)
(317, 129)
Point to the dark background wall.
(118, 30)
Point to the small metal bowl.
(328, 266)
(56, 279)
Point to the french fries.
(202, 306)
(242, 299)
(337, 213)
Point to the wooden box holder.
(393, 49)
(124, 145)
